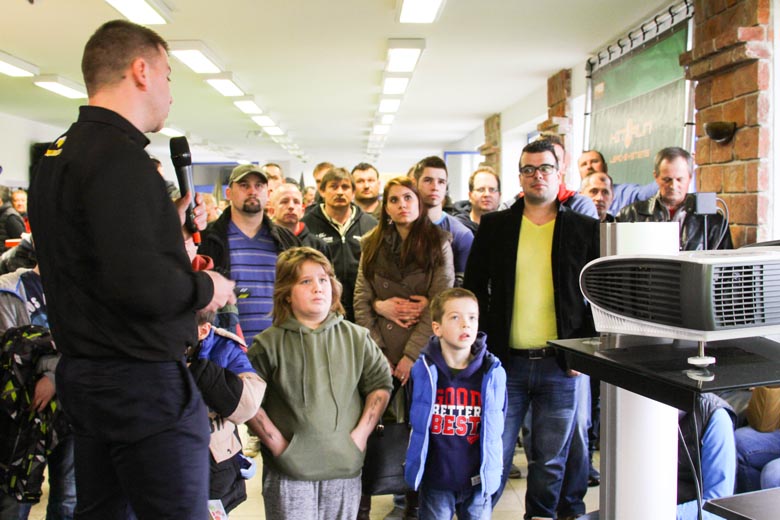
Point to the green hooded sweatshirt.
(317, 383)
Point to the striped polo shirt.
(253, 266)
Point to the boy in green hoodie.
(328, 384)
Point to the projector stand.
(701, 360)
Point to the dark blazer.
(490, 272)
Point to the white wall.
(16, 136)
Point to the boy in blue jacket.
(457, 414)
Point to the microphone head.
(180, 152)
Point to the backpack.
(26, 437)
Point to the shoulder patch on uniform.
(56, 149)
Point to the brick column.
(492, 147)
(731, 65)
(558, 105)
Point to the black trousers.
(141, 439)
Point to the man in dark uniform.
(122, 293)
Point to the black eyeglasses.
(530, 171)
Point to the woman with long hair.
(406, 261)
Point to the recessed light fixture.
(171, 131)
(61, 86)
(403, 54)
(247, 105)
(395, 85)
(224, 84)
(263, 121)
(143, 12)
(14, 67)
(273, 130)
(389, 105)
(420, 11)
(196, 55)
(381, 129)
(387, 119)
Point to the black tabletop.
(659, 368)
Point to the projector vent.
(745, 295)
(642, 289)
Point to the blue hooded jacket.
(424, 377)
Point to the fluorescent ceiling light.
(61, 86)
(420, 11)
(247, 105)
(14, 67)
(144, 12)
(402, 54)
(387, 119)
(224, 84)
(263, 121)
(273, 130)
(381, 129)
(393, 85)
(171, 132)
(243, 161)
(195, 55)
(387, 106)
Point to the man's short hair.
(456, 293)
(429, 162)
(553, 138)
(336, 174)
(601, 156)
(363, 167)
(5, 194)
(112, 49)
(586, 181)
(484, 169)
(322, 166)
(203, 316)
(539, 146)
(671, 153)
(266, 165)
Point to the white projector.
(697, 295)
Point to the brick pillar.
(492, 147)
(558, 105)
(731, 65)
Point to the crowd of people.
(300, 310)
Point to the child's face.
(311, 295)
(459, 324)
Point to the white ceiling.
(316, 67)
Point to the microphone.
(182, 163)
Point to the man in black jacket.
(524, 268)
(673, 171)
(341, 224)
(121, 291)
(244, 244)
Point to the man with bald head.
(287, 206)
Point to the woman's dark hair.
(422, 246)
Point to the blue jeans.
(62, 488)
(575, 478)
(440, 504)
(552, 392)
(755, 451)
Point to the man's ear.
(436, 326)
(139, 71)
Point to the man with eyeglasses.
(484, 197)
(524, 268)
